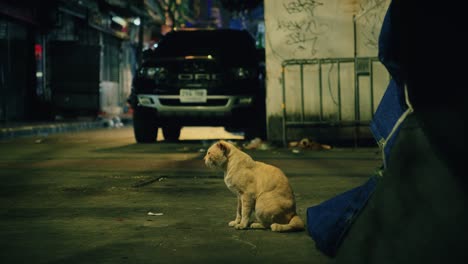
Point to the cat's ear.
(223, 146)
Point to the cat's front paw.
(233, 223)
(240, 226)
(257, 226)
(276, 228)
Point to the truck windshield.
(226, 45)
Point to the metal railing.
(362, 66)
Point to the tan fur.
(259, 187)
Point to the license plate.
(193, 95)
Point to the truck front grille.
(209, 102)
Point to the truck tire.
(171, 133)
(256, 131)
(145, 125)
(257, 122)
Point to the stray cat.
(259, 187)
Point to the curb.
(45, 129)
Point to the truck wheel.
(144, 125)
(255, 131)
(256, 123)
(171, 133)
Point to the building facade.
(68, 58)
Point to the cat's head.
(217, 155)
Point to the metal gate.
(350, 102)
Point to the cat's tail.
(295, 224)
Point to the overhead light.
(137, 21)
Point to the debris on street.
(111, 121)
(306, 143)
(155, 214)
(256, 143)
(148, 181)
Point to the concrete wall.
(318, 29)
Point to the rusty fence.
(360, 102)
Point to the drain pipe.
(356, 86)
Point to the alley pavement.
(95, 196)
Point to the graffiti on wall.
(302, 29)
(369, 22)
